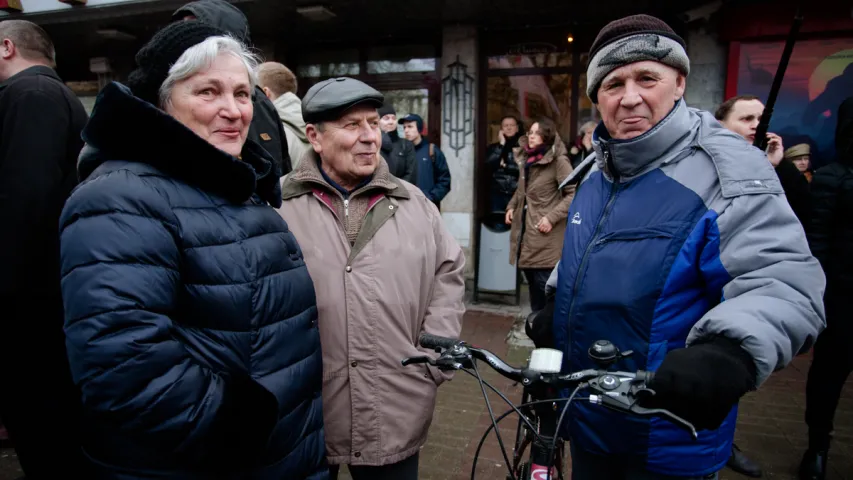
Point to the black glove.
(703, 382)
(540, 324)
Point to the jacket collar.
(650, 150)
(124, 127)
(31, 72)
(307, 177)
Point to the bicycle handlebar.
(620, 391)
(434, 341)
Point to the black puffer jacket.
(190, 316)
(504, 179)
(830, 227)
(266, 129)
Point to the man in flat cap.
(385, 270)
(800, 155)
(717, 288)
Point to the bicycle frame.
(540, 460)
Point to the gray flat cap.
(330, 98)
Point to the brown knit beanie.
(633, 39)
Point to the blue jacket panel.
(433, 175)
(628, 275)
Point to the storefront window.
(530, 97)
(532, 60)
(401, 58)
(328, 64)
(586, 109)
(409, 101)
(819, 77)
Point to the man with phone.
(741, 115)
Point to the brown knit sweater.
(350, 212)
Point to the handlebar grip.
(434, 341)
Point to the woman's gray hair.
(201, 56)
(587, 127)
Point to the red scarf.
(535, 154)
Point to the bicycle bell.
(603, 352)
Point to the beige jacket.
(538, 189)
(403, 276)
(289, 108)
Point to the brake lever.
(421, 359)
(660, 412)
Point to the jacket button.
(349, 269)
(357, 454)
(353, 364)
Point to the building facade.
(464, 64)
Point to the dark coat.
(266, 129)
(190, 316)
(504, 178)
(399, 154)
(796, 188)
(830, 224)
(40, 125)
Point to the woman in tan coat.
(538, 231)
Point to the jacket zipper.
(346, 213)
(614, 188)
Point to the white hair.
(201, 56)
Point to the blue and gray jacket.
(681, 233)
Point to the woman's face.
(802, 163)
(509, 127)
(216, 104)
(534, 138)
(587, 140)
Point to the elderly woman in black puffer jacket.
(191, 320)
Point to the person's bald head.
(25, 43)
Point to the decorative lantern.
(457, 120)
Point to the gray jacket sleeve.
(773, 297)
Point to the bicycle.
(620, 391)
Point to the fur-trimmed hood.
(124, 127)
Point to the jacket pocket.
(662, 231)
(407, 405)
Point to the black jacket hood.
(220, 14)
(123, 127)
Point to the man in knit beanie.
(716, 287)
(266, 128)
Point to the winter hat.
(386, 109)
(413, 117)
(799, 150)
(220, 14)
(633, 39)
(161, 52)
